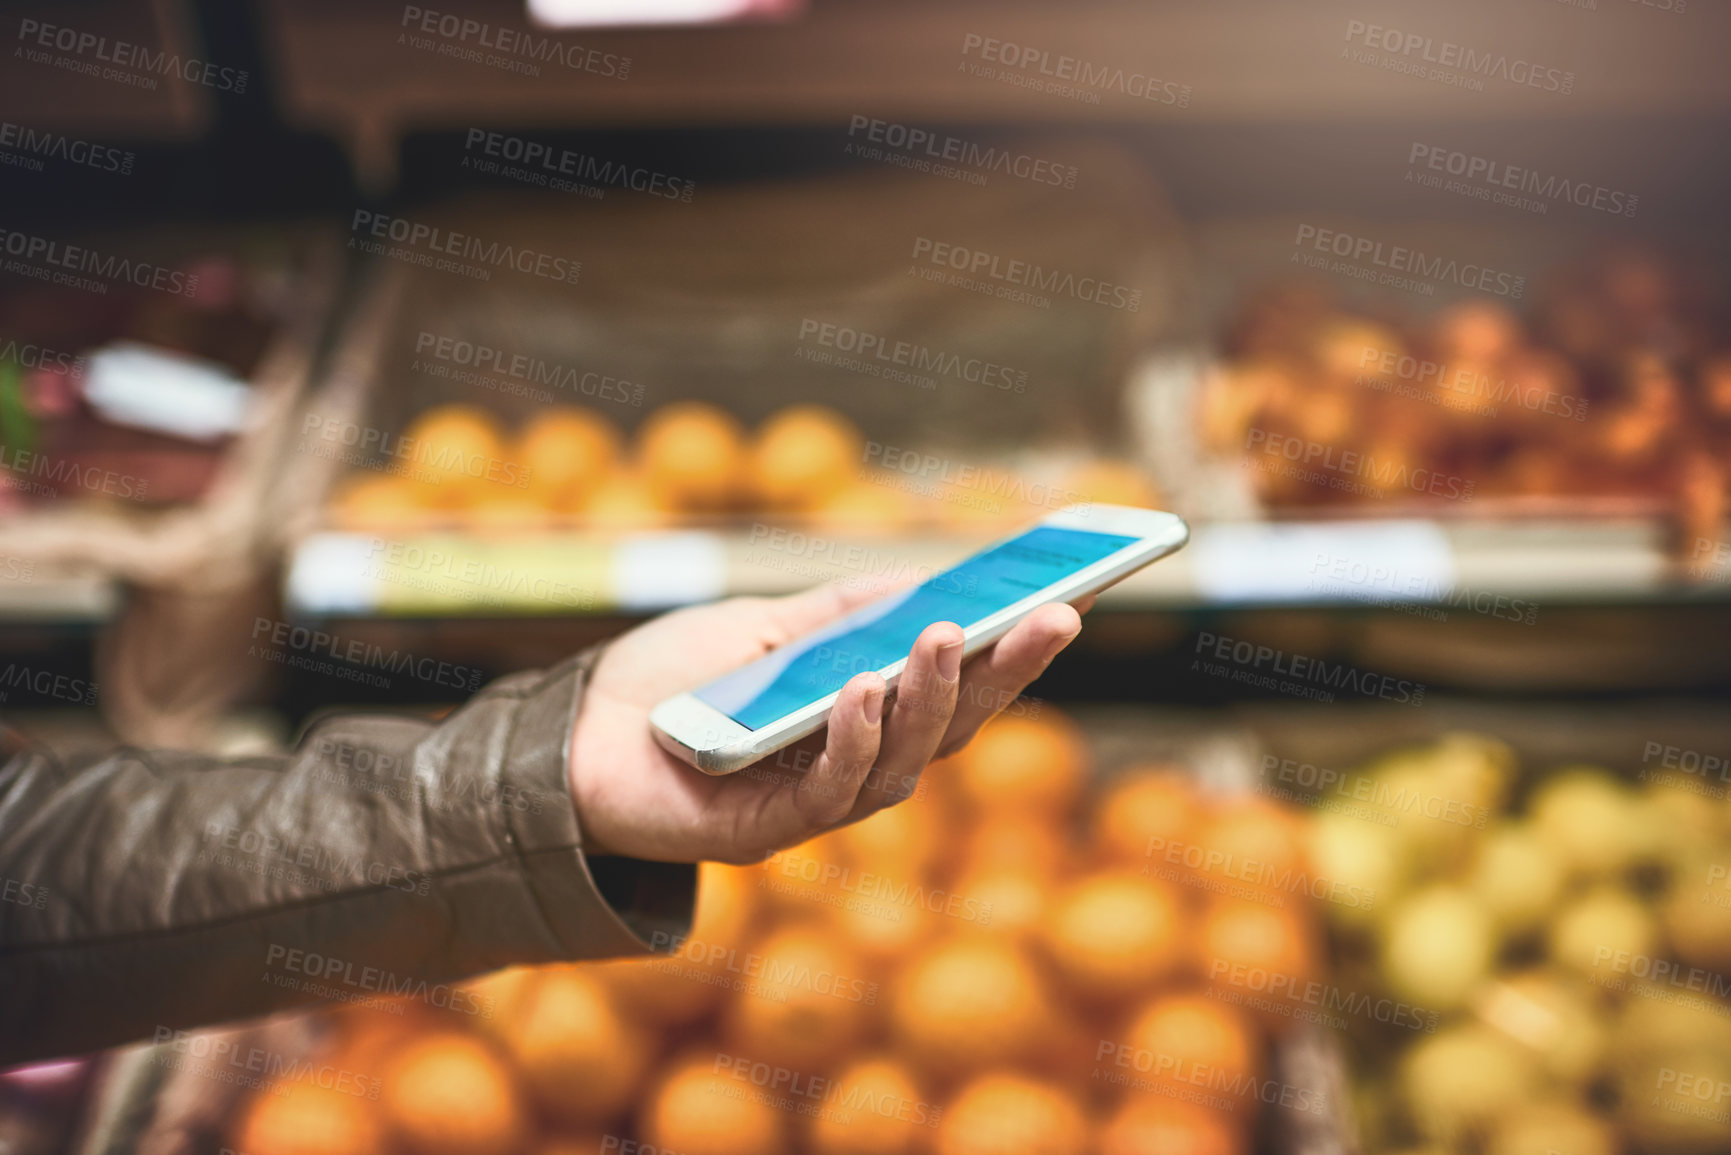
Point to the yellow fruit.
(1593, 932)
(459, 445)
(866, 507)
(1552, 1129)
(625, 502)
(969, 1002)
(1117, 934)
(1366, 861)
(1677, 1102)
(1586, 817)
(491, 507)
(298, 1117)
(1035, 764)
(804, 456)
(1517, 878)
(876, 1108)
(1552, 1016)
(1143, 811)
(568, 452)
(1461, 1078)
(692, 455)
(1698, 917)
(1008, 1114)
(805, 1005)
(1476, 770)
(448, 1094)
(1346, 347)
(699, 1108)
(1438, 947)
(1148, 1125)
(581, 1061)
(1108, 482)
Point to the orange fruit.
(804, 456)
(902, 840)
(968, 1002)
(1182, 1041)
(1002, 1113)
(669, 990)
(1248, 949)
(457, 444)
(692, 455)
(875, 1108)
(375, 502)
(1108, 482)
(1031, 842)
(1150, 1125)
(568, 451)
(625, 502)
(698, 1108)
(298, 1117)
(1145, 811)
(866, 507)
(580, 1059)
(499, 995)
(888, 916)
(1252, 841)
(1477, 331)
(489, 506)
(806, 999)
(1008, 899)
(1036, 764)
(448, 1094)
(1116, 933)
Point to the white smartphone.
(777, 699)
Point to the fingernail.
(874, 706)
(950, 661)
(1057, 647)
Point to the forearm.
(382, 857)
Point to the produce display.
(1021, 958)
(1613, 385)
(1544, 965)
(693, 462)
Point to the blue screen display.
(883, 632)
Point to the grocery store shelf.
(1397, 563)
(28, 594)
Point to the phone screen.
(883, 632)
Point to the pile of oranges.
(568, 465)
(1010, 962)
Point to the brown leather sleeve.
(144, 891)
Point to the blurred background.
(338, 337)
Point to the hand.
(634, 798)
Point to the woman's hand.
(634, 798)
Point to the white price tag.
(652, 571)
(1344, 561)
